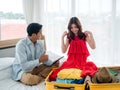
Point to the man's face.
(37, 36)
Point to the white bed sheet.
(6, 82)
(9, 84)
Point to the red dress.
(77, 58)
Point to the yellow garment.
(71, 73)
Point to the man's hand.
(56, 64)
(43, 58)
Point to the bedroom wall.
(7, 52)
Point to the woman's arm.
(64, 45)
(90, 39)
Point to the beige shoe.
(29, 79)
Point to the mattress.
(6, 82)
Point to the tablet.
(57, 60)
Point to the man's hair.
(33, 28)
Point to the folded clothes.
(70, 81)
(113, 72)
(71, 73)
(64, 80)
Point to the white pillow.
(6, 67)
(6, 62)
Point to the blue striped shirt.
(26, 57)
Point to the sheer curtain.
(101, 17)
(33, 10)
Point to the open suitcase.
(61, 86)
(86, 86)
(106, 86)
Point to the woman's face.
(74, 29)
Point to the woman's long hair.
(71, 35)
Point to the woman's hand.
(64, 34)
(90, 39)
(64, 45)
(88, 33)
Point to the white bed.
(6, 82)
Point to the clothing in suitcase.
(52, 85)
(108, 86)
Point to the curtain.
(101, 17)
(33, 10)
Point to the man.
(27, 66)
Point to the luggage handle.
(87, 86)
(62, 87)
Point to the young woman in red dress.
(78, 52)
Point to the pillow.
(6, 67)
(5, 62)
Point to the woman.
(77, 52)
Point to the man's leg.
(47, 69)
(29, 79)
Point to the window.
(102, 17)
(12, 20)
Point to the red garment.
(77, 58)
